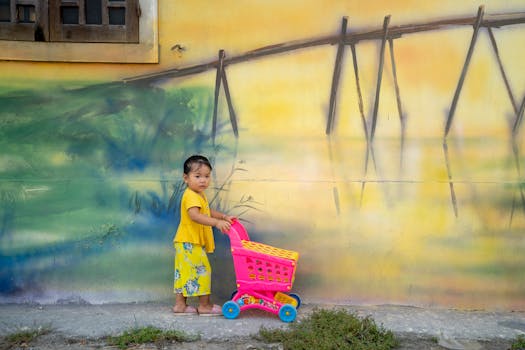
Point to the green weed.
(25, 336)
(518, 343)
(332, 329)
(148, 335)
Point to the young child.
(194, 238)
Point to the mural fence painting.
(383, 203)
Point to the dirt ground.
(75, 327)
(55, 341)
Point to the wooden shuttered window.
(23, 20)
(96, 21)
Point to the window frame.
(25, 30)
(103, 32)
(144, 51)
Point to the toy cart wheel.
(287, 313)
(297, 298)
(231, 310)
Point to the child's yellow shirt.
(190, 231)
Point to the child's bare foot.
(209, 310)
(184, 310)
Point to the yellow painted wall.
(381, 230)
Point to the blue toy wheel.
(231, 310)
(287, 313)
(297, 298)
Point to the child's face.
(198, 179)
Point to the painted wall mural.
(393, 166)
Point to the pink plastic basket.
(259, 266)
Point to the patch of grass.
(147, 335)
(332, 329)
(518, 343)
(25, 336)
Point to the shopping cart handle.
(237, 233)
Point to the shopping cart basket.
(264, 275)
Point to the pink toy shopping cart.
(264, 275)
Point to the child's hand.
(230, 219)
(223, 225)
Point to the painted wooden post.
(502, 70)
(218, 78)
(336, 76)
(450, 117)
(519, 118)
(402, 119)
(477, 24)
(370, 143)
(379, 76)
(359, 93)
(233, 117)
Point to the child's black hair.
(195, 159)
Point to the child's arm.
(220, 222)
(218, 215)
